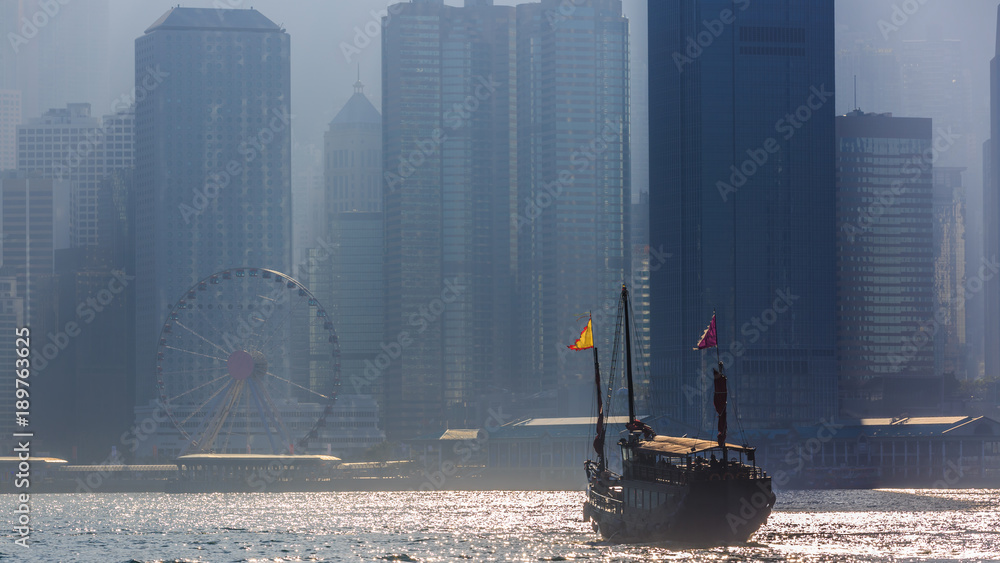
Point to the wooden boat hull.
(700, 513)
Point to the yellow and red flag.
(586, 339)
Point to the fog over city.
(723, 274)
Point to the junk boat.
(686, 490)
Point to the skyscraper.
(35, 221)
(950, 211)
(345, 271)
(869, 74)
(353, 157)
(885, 266)
(742, 194)
(449, 153)
(69, 144)
(991, 220)
(574, 185)
(11, 319)
(10, 117)
(212, 179)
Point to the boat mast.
(628, 356)
(599, 438)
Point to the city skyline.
(547, 245)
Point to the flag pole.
(714, 316)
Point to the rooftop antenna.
(856, 108)
(358, 86)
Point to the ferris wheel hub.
(240, 365)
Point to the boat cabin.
(666, 459)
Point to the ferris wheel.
(248, 362)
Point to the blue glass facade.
(574, 186)
(742, 195)
(991, 220)
(885, 266)
(449, 151)
(212, 157)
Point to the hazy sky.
(322, 77)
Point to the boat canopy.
(680, 447)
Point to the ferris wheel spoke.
(263, 341)
(211, 325)
(206, 403)
(276, 416)
(290, 382)
(263, 416)
(189, 391)
(189, 371)
(246, 419)
(195, 353)
(210, 343)
(197, 438)
(221, 414)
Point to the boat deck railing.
(604, 502)
(673, 474)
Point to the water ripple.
(807, 526)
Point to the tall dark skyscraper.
(885, 266)
(991, 219)
(574, 185)
(213, 158)
(742, 194)
(449, 148)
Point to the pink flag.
(708, 338)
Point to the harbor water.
(806, 526)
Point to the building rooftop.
(357, 110)
(211, 18)
(252, 458)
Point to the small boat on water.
(704, 492)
